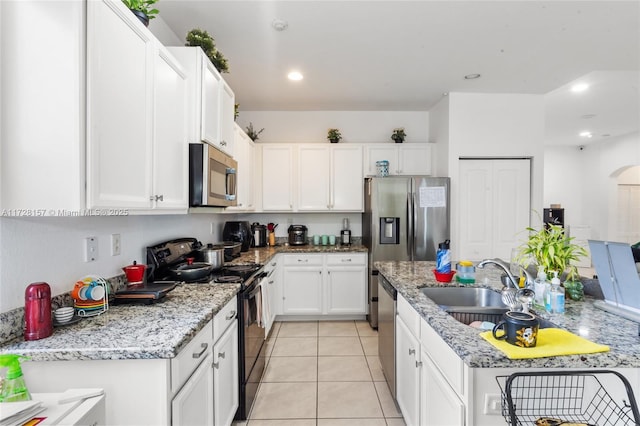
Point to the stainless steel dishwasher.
(387, 297)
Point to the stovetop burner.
(227, 279)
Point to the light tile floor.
(323, 373)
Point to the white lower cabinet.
(324, 284)
(225, 377)
(192, 405)
(439, 404)
(408, 370)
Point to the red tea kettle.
(135, 273)
(37, 311)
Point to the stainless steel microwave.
(212, 177)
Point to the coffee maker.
(345, 233)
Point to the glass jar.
(382, 168)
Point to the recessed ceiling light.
(295, 76)
(580, 87)
(471, 76)
(280, 24)
(586, 134)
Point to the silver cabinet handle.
(231, 315)
(418, 364)
(221, 354)
(204, 347)
(270, 281)
(346, 260)
(412, 351)
(303, 260)
(223, 143)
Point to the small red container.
(135, 273)
(444, 277)
(37, 311)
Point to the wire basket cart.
(553, 398)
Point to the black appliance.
(297, 235)
(259, 235)
(238, 231)
(251, 351)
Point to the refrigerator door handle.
(409, 225)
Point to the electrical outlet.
(91, 249)
(492, 403)
(115, 245)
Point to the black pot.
(141, 16)
(192, 272)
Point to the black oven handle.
(251, 286)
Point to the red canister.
(37, 311)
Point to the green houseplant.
(398, 135)
(334, 135)
(143, 9)
(198, 37)
(252, 133)
(553, 251)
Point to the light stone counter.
(580, 318)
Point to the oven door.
(253, 332)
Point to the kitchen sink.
(464, 297)
(469, 304)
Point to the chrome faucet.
(501, 263)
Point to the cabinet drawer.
(344, 259)
(190, 357)
(223, 319)
(445, 359)
(409, 316)
(303, 259)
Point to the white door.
(414, 159)
(277, 177)
(439, 404)
(170, 167)
(314, 171)
(119, 108)
(347, 185)
(494, 206)
(628, 214)
(227, 111)
(302, 291)
(210, 103)
(407, 373)
(225, 377)
(346, 290)
(193, 405)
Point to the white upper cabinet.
(211, 100)
(347, 185)
(136, 142)
(277, 177)
(245, 155)
(404, 159)
(314, 177)
(119, 107)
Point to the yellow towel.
(551, 342)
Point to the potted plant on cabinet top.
(143, 9)
(198, 37)
(398, 135)
(552, 251)
(334, 135)
(252, 133)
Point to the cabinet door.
(407, 373)
(244, 149)
(170, 167)
(227, 110)
(119, 107)
(193, 404)
(277, 178)
(414, 159)
(210, 108)
(346, 290)
(274, 281)
(225, 377)
(439, 404)
(302, 291)
(347, 178)
(314, 171)
(378, 152)
(494, 207)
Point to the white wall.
(167, 37)
(495, 125)
(51, 249)
(564, 169)
(439, 133)
(355, 126)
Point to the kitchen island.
(456, 368)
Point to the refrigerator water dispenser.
(389, 230)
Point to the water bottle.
(443, 257)
(557, 295)
(539, 286)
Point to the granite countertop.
(580, 318)
(160, 330)
(133, 331)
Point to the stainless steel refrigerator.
(405, 218)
